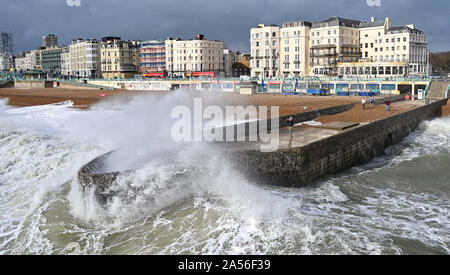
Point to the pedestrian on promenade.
(363, 101)
(290, 122)
(388, 105)
(372, 100)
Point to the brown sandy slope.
(288, 104)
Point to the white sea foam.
(199, 204)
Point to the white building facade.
(339, 47)
(265, 48)
(6, 61)
(25, 62)
(84, 58)
(196, 57)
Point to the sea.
(398, 203)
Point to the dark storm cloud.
(221, 20)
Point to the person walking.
(290, 122)
(363, 101)
(372, 101)
(388, 105)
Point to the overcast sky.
(227, 20)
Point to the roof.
(405, 28)
(372, 24)
(337, 21)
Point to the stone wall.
(299, 166)
(64, 85)
(32, 84)
(94, 175)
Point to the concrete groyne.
(299, 166)
(296, 167)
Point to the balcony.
(323, 53)
(347, 53)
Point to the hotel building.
(24, 61)
(389, 51)
(333, 40)
(294, 49)
(84, 58)
(197, 57)
(265, 48)
(338, 47)
(152, 55)
(119, 59)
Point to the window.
(274, 43)
(274, 34)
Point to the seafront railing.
(266, 80)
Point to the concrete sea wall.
(299, 166)
(32, 84)
(95, 175)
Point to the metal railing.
(427, 88)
